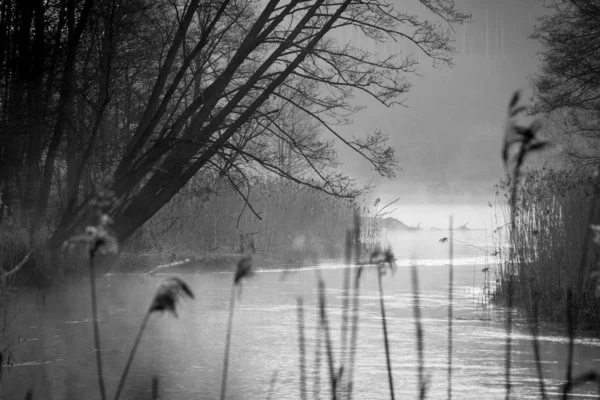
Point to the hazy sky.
(449, 135)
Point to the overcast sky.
(449, 135)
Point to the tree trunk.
(66, 101)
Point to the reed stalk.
(536, 346)
(165, 299)
(154, 388)
(354, 332)
(328, 341)
(97, 348)
(385, 336)
(419, 333)
(345, 308)
(317, 366)
(272, 384)
(450, 303)
(136, 343)
(508, 345)
(227, 344)
(301, 347)
(571, 334)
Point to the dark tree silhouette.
(567, 85)
(141, 95)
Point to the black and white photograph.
(299, 199)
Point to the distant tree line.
(142, 95)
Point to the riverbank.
(153, 263)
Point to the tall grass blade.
(227, 344)
(508, 346)
(355, 308)
(450, 302)
(301, 348)
(165, 300)
(136, 343)
(419, 332)
(317, 370)
(385, 336)
(345, 307)
(571, 333)
(536, 346)
(97, 347)
(328, 342)
(272, 384)
(154, 388)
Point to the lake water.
(53, 338)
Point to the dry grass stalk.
(301, 347)
(165, 300)
(571, 335)
(355, 307)
(450, 303)
(419, 333)
(243, 271)
(387, 261)
(98, 239)
(333, 376)
(536, 347)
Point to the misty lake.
(53, 339)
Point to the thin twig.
(17, 267)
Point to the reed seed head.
(525, 136)
(96, 238)
(243, 270)
(99, 237)
(596, 230)
(168, 295)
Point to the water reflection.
(55, 354)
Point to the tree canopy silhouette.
(567, 85)
(141, 95)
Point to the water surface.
(54, 342)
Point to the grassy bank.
(549, 252)
(212, 222)
(281, 219)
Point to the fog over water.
(54, 354)
(448, 136)
(447, 140)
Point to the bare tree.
(142, 95)
(567, 87)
